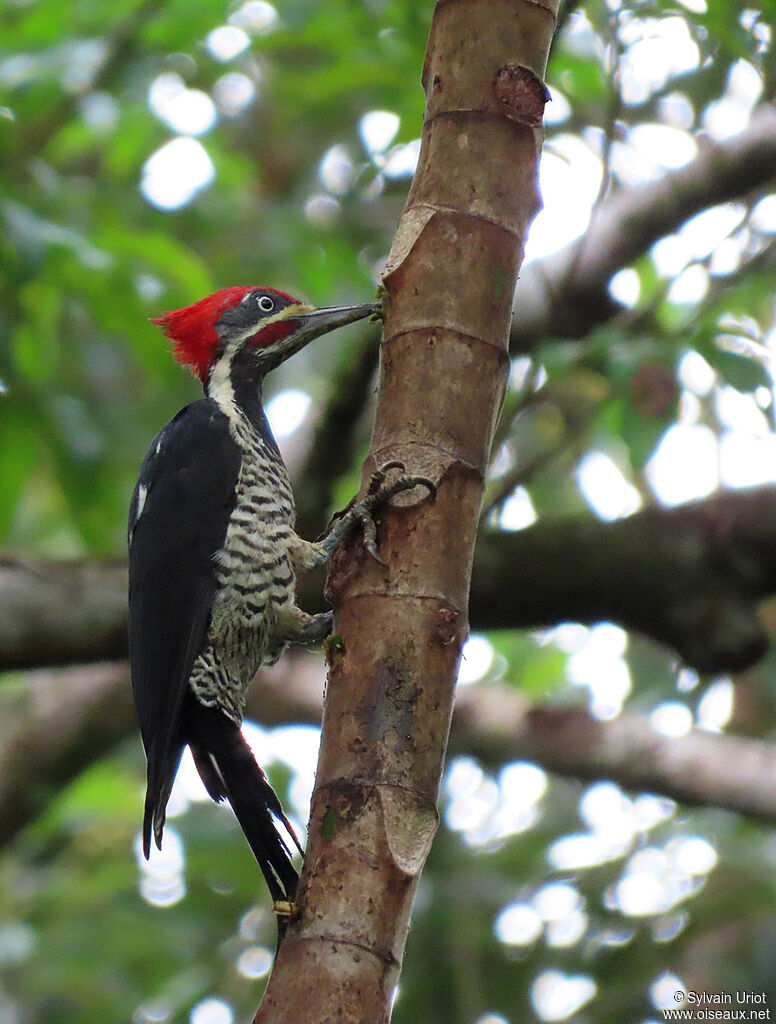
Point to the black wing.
(178, 518)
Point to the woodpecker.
(213, 558)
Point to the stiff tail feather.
(229, 771)
(257, 807)
(160, 781)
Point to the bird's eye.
(266, 304)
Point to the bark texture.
(449, 284)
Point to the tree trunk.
(449, 284)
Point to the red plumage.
(192, 329)
(273, 332)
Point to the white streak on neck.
(219, 385)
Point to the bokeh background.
(152, 152)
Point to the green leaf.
(744, 373)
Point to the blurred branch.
(58, 722)
(332, 450)
(61, 612)
(496, 724)
(52, 725)
(689, 577)
(566, 295)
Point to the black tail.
(229, 770)
(161, 775)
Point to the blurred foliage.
(85, 382)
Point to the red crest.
(192, 329)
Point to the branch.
(690, 577)
(53, 726)
(61, 721)
(61, 612)
(496, 724)
(566, 295)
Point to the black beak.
(317, 322)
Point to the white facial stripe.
(219, 386)
(288, 313)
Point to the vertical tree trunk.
(449, 285)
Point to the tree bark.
(449, 284)
(566, 294)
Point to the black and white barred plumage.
(213, 561)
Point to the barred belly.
(255, 581)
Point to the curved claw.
(379, 493)
(421, 481)
(379, 475)
(362, 512)
(402, 483)
(370, 535)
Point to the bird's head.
(250, 328)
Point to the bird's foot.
(379, 492)
(316, 627)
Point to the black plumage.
(179, 514)
(213, 557)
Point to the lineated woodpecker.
(213, 558)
